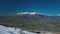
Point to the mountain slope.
(32, 21)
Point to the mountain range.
(31, 21)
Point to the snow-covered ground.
(9, 30)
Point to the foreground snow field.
(9, 30)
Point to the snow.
(27, 13)
(10, 30)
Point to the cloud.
(46, 14)
(58, 14)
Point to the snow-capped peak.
(32, 13)
(27, 13)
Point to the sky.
(40, 6)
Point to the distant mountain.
(33, 21)
(27, 13)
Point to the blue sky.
(41, 6)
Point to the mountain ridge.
(32, 21)
(36, 13)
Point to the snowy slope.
(8, 30)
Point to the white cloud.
(46, 14)
(58, 14)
